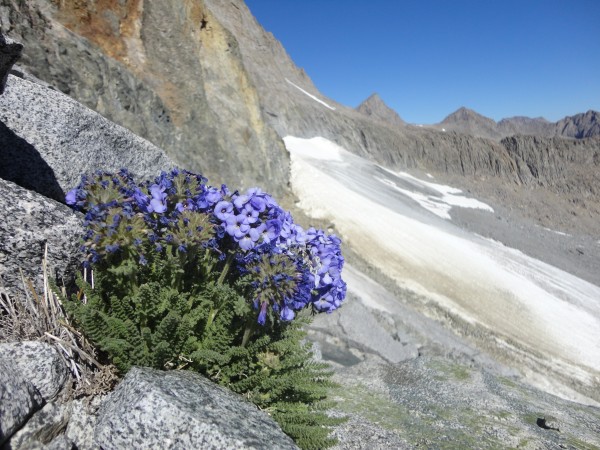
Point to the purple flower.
(223, 210)
(273, 229)
(111, 248)
(246, 243)
(213, 195)
(158, 203)
(240, 201)
(71, 197)
(250, 213)
(262, 316)
(287, 314)
(258, 233)
(236, 227)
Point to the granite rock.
(33, 223)
(181, 409)
(44, 427)
(19, 399)
(80, 429)
(48, 140)
(40, 364)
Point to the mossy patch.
(579, 444)
(447, 427)
(456, 371)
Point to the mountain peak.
(376, 108)
(465, 114)
(580, 125)
(467, 121)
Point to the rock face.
(48, 140)
(580, 125)
(566, 166)
(168, 71)
(33, 227)
(149, 409)
(375, 107)
(194, 413)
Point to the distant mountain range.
(467, 121)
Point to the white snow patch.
(429, 175)
(546, 311)
(311, 96)
(436, 205)
(315, 148)
(439, 206)
(557, 232)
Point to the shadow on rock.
(22, 164)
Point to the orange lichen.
(96, 20)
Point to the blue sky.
(427, 58)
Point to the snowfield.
(402, 226)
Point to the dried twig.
(34, 317)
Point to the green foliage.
(171, 313)
(188, 276)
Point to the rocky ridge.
(469, 122)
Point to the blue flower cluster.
(289, 268)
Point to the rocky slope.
(169, 71)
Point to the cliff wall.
(166, 70)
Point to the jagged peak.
(375, 107)
(373, 98)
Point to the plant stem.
(225, 268)
(211, 317)
(250, 325)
